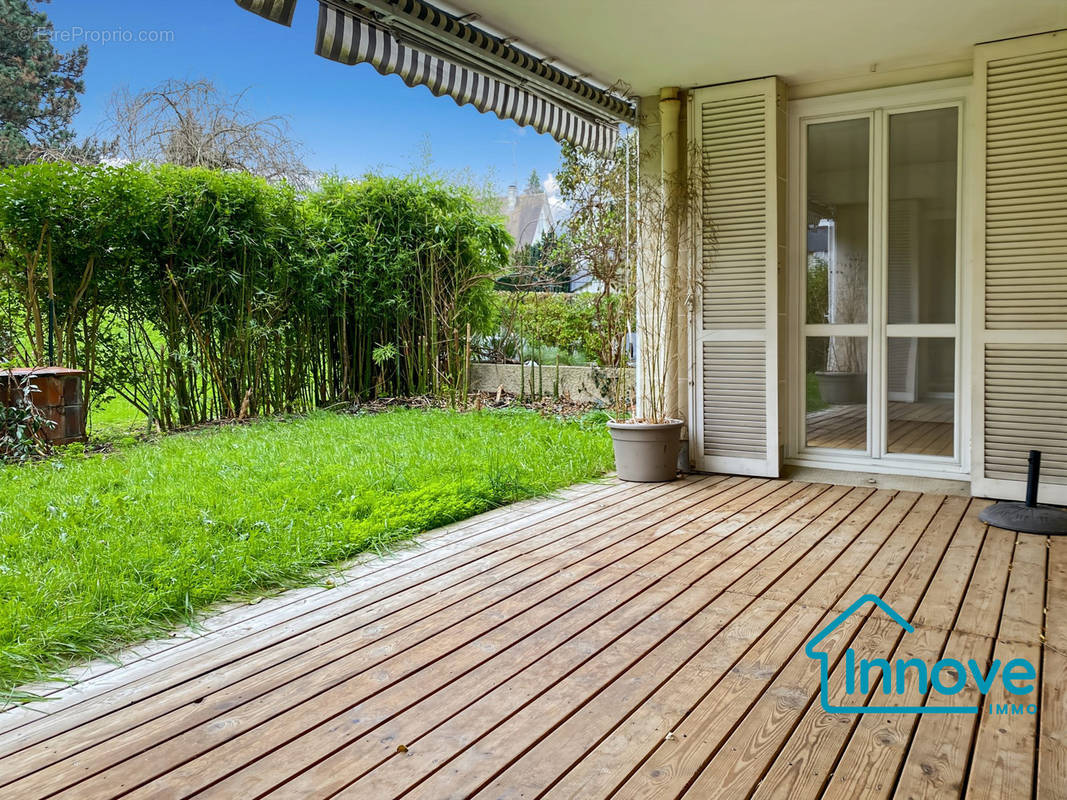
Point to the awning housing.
(427, 46)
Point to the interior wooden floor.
(635, 641)
(915, 428)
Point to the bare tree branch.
(195, 124)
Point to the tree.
(39, 86)
(538, 267)
(195, 124)
(599, 236)
(90, 151)
(533, 183)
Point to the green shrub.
(818, 312)
(412, 262)
(568, 322)
(199, 294)
(21, 433)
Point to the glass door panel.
(837, 282)
(835, 408)
(921, 409)
(921, 224)
(838, 209)
(920, 270)
(880, 326)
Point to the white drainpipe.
(670, 106)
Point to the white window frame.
(878, 105)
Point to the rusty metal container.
(57, 392)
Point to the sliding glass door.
(880, 296)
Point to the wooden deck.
(636, 641)
(916, 428)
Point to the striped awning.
(429, 47)
(280, 11)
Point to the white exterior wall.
(952, 77)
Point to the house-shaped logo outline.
(824, 666)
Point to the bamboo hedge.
(200, 295)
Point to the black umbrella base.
(1047, 520)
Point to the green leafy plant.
(195, 294)
(20, 434)
(22, 427)
(384, 353)
(601, 238)
(572, 324)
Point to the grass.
(100, 551)
(117, 417)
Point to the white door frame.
(878, 105)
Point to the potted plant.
(602, 239)
(648, 442)
(646, 449)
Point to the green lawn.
(115, 418)
(99, 551)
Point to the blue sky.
(350, 119)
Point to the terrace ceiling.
(655, 43)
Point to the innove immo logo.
(945, 677)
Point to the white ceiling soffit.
(650, 44)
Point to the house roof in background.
(524, 216)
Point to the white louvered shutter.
(1022, 85)
(739, 129)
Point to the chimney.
(513, 197)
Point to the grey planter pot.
(838, 388)
(645, 452)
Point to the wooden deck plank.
(789, 752)
(711, 539)
(737, 765)
(1052, 752)
(474, 753)
(602, 769)
(364, 698)
(780, 634)
(186, 661)
(940, 753)
(257, 650)
(226, 620)
(1005, 749)
(534, 569)
(875, 753)
(620, 641)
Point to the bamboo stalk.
(467, 366)
(32, 300)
